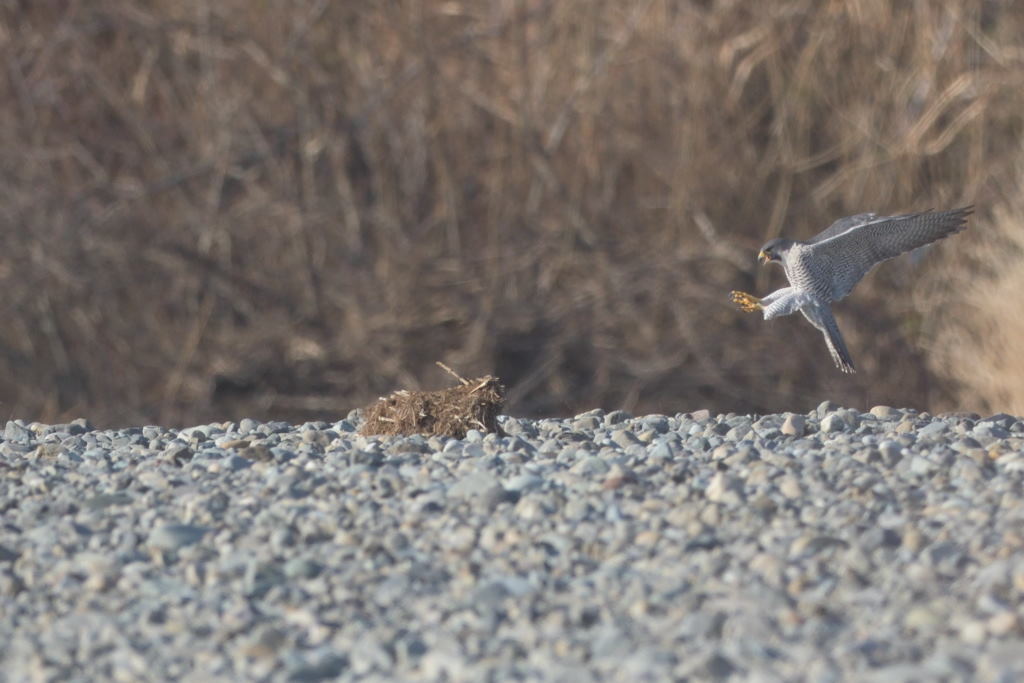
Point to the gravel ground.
(837, 545)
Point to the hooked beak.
(763, 257)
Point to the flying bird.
(828, 266)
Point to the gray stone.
(1000, 420)
(718, 667)
(587, 423)
(105, 500)
(987, 432)
(17, 432)
(921, 466)
(933, 431)
(616, 417)
(655, 548)
(496, 495)
(513, 426)
(738, 433)
(832, 423)
(473, 484)
(237, 462)
(325, 667)
(659, 423)
(302, 568)
(346, 427)
(624, 438)
(826, 407)
(177, 453)
(724, 489)
(590, 466)
(524, 482)
(176, 536)
(661, 451)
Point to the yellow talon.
(747, 303)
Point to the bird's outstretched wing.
(841, 226)
(856, 249)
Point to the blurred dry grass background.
(216, 209)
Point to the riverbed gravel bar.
(836, 545)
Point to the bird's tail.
(836, 345)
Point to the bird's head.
(774, 250)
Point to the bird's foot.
(748, 303)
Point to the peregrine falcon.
(826, 267)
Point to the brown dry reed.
(217, 209)
(472, 404)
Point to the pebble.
(922, 619)
(616, 417)
(590, 466)
(891, 451)
(885, 413)
(724, 489)
(973, 632)
(932, 431)
(794, 425)
(474, 484)
(832, 422)
(16, 431)
(524, 482)
(175, 536)
(1003, 623)
(790, 487)
(832, 545)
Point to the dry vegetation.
(470, 404)
(979, 338)
(217, 209)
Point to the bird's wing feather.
(857, 249)
(841, 226)
(834, 339)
